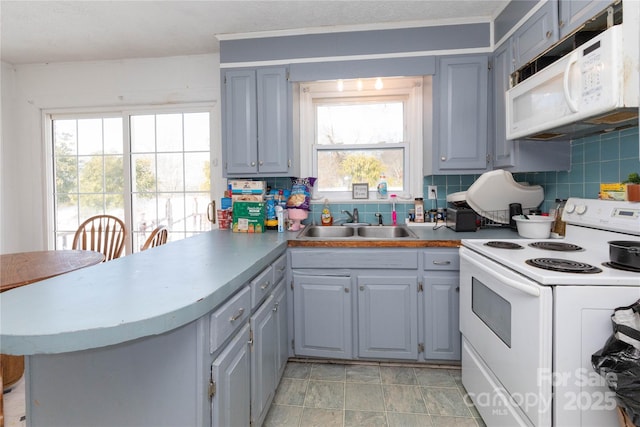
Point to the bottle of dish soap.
(325, 216)
(382, 187)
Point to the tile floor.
(322, 394)
(326, 394)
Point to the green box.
(248, 217)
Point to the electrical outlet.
(432, 192)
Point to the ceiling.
(63, 31)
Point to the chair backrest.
(157, 237)
(101, 233)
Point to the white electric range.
(529, 331)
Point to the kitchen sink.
(386, 232)
(327, 232)
(383, 232)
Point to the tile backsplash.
(607, 157)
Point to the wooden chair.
(157, 237)
(101, 233)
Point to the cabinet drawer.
(441, 259)
(279, 269)
(225, 320)
(261, 286)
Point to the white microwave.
(593, 88)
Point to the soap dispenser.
(325, 216)
(394, 215)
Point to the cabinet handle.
(346, 290)
(237, 315)
(265, 286)
(281, 269)
(253, 163)
(441, 262)
(549, 33)
(444, 159)
(275, 307)
(261, 163)
(362, 287)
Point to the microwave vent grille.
(614, 118)
(545, 136)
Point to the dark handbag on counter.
(618, 362)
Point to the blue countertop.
(135, 296)
(147, 293)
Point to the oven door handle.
(528, 289)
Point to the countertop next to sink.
(158, 290)
(427, 237)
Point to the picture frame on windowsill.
(360, 191)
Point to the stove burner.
(556, 246)
(503, 245)
(617, 266)
(563, 265)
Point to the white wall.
(30, 90)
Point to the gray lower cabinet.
(231, 396)
(381, 304)
(388, 316)
(280, 309)
(263, 360)
(441, 304)
(322, 316)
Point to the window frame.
(49, 115)
(409, 89)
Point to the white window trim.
(125, 112)
(410, 87)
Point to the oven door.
(507, 321)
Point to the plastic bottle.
(325, 216)
(382, 187)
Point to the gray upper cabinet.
(539, 33)
(460, 103)
(256, 134)
(503, 151)
(574, 13)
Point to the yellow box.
(612, 191)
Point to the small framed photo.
(360, 191)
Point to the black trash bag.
(618, 362)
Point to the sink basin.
(385, 232)
(327, 232)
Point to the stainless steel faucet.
(379, 216)
(352, 217)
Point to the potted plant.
(632, 187)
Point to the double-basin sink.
(356, 231)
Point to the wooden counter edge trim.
(374, 243)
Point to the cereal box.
(248, 217)
(612, 191)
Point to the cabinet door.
(240, 121)
(537, 34)
(263, 360)
(273, 135)
(280, 308)
(322, 316)
(388, 317)
(441, 321)
(574, 13)
(503, 149)
(230, 374)
(461, 114)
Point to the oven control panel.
(603, 214)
